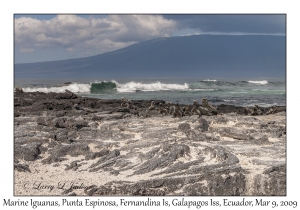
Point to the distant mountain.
(209, 56)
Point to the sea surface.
(266, 92)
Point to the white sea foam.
(75, 88)
(260, 104)
(229, 100)
(156, 86)
(210, 80)
(207, 89)
(261, 82)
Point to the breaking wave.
(209, 80)
(103, 87)
(75, 88)
(111, 87)
(261, 82)
(156, 86)
(99, 87)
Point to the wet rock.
(67, 95)
(19, 90)
(67, 83)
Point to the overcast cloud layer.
(264, 24)
(72, 36)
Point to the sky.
(48, 37)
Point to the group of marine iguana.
(176, 111)
(196, 109)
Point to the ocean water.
(240, 92)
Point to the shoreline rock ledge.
(87, 146)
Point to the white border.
(290, 8)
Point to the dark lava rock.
(94, 155)
(184, 127)
(73, 165)
(203, 125)
(53, 159)
(122, 110)
(166, 163)
(77, 124)
(227, 186)
(61, 135)
(45, 121)
(106, 160)
(22, 168)
(68, 122)
(17, 114)
(166, 157)
(271, 182)
(73, 150)
(67, 95)
(233, 133)
(29, 152)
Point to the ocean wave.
(203, 89)
(261, 82)
(103, 87)
(111, 87)
(156, 86)
(75, 88)
(209, 80)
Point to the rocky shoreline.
(65, 144)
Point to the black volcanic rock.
(132, 154)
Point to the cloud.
(247, 23)
(73, 36)
(88, 36)
(26, 50)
